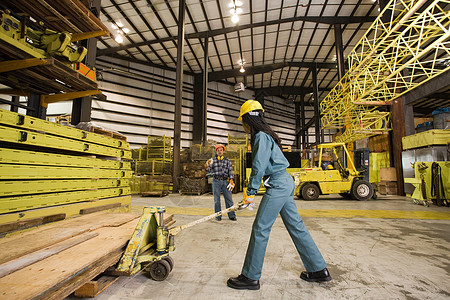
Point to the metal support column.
(297, 123)
(197, 111)
(409, 118)
(35, 108)
(259, 96)
(316, 106)
(15, 100)
(398, 132)
(303, 122)
(82, 107)
(339, 50)
(178, 95)
(205, 92)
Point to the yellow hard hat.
(249, 105)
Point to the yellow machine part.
(422, 180)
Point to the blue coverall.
(268, 160)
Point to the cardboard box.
(418, 121)
(387, 188)
(388, 174)
(378, 143)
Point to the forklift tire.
(170, 261)
(310, 191)
(362, 190)
(159, 270)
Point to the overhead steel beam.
(212, 33)
(287, 90)
(427, 89)
(219, 75)
(339, 50)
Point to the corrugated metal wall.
(140, 102)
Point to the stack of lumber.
(65, 15)
(54, 260)
(50, 171)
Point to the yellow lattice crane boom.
(391, 59)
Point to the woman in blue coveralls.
(269, 163)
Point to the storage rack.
(41, 78)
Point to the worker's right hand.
(208, 162)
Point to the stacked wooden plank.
(54, 260)
(63, 15)
(51, 171)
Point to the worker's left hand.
(230, 185)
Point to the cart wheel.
(170, 261)
(159, 270)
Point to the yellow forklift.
(323, 177)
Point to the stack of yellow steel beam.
(52, 169)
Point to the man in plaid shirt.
(221, 169)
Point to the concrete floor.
(388, 248)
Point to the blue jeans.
(220, 186)
(279, 199)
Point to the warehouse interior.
(109, 110)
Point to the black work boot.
(322, 275)
(243, 283)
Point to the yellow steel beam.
(87, 35)
(71, 209)
(14, 156)
(17, 136)
(46, 99)
(12, 65)
(9, 171)
(11, 204)
(17, 120)
(24, 187)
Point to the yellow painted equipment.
(432, 183)
(314, 181)
(152, 241)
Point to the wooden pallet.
(114, 135)
(155, 194)
(55, 260)
(94, 287)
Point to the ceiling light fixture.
(235, 10)
(235, 18)
(242, 62)
(119, 39)
(120, 31)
